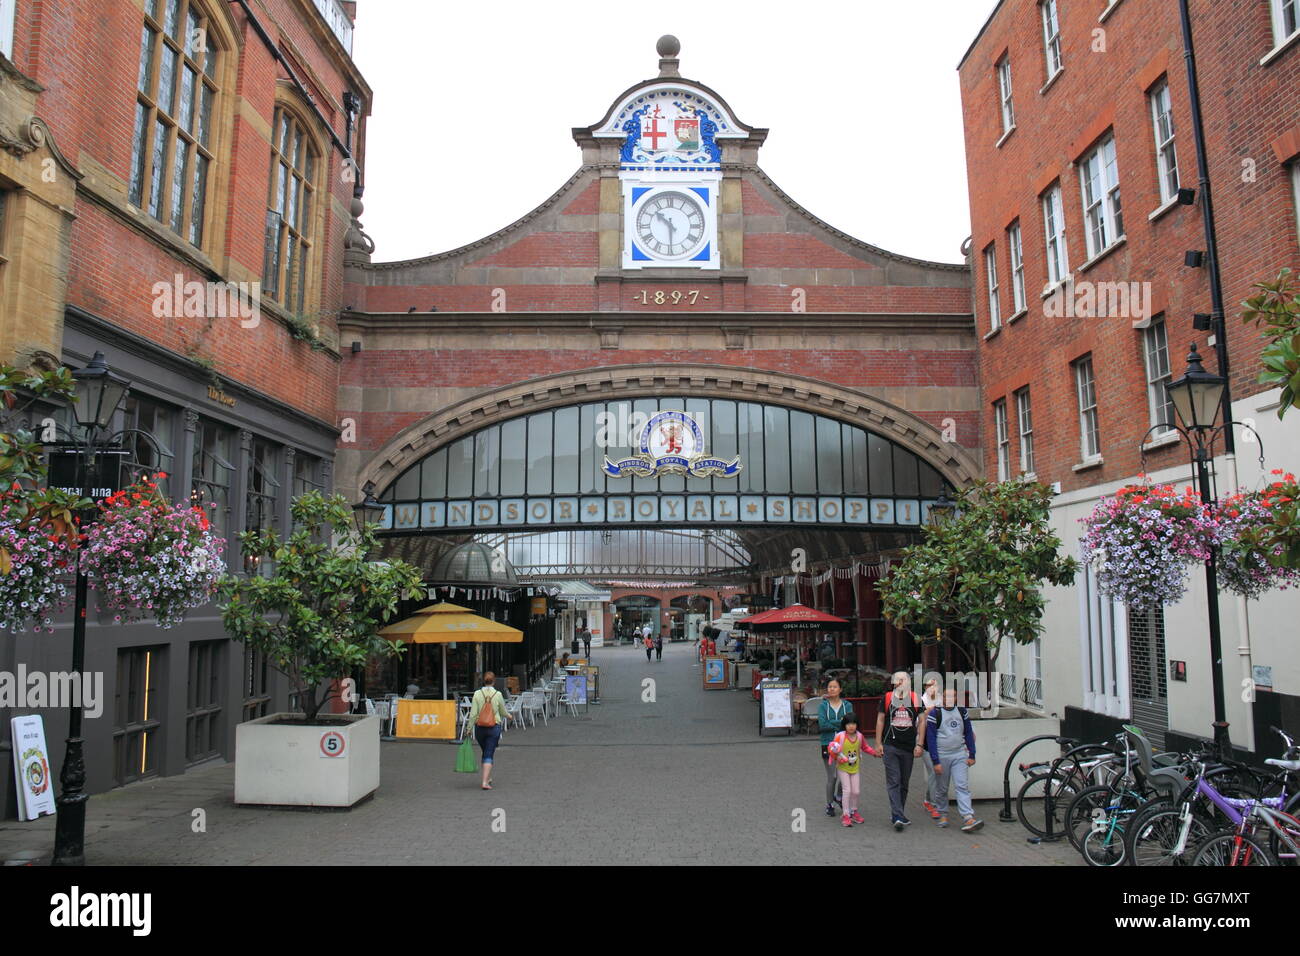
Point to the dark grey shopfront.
(172, 698)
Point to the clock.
(670, 225)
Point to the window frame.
(1166, 149)
(1057, 247)
(1016, 243)
(1089, 423)
(1103, 211)
(991, 280)
(1051, 16)
(1295, 193)
(152, 184)
(1002, 436)
(1279, 10)
(1025, 426)
(293, 212)
(1155, 379)
(1006, 94)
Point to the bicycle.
(1243, 845)
(1060, 780)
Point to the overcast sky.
(474, 102)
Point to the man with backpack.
(896, 735)
(950, 738)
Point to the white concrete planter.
(330, 764)
(995, 738)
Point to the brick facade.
(1112, 58)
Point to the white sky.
(476, 102)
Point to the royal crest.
(671, 443)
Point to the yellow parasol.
(447, 624)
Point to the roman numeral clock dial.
(670, 225)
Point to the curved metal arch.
(851, 406)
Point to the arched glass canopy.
(552, 469)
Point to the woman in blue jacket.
(830, 720)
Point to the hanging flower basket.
(1258, 536)
(34, 568)
(1142, 540)
(146, 556)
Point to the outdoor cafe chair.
(463, 707)
(514, 712)
(537, 704)
(808, 713)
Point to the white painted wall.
(1273, 622)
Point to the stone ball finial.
(668, 45)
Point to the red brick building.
(1079, 136)
(179, 196)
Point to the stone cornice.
(919, 323)
(955, 463)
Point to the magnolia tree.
(981, 571)
(1275, 311)
(316, 616)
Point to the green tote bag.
(465, 760)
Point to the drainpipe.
(1217, 322)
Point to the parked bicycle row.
(1118, 803)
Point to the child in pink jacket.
(846, 749)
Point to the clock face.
(670, 225)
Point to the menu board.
(715, 673)
(576, 688)
(774, 705)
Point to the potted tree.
(315, 617)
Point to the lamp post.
(942, 510)
(368, 510)
(1197, 398)
(97, 395)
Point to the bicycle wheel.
(1105, 846)
(1230, 848)
(1031, 807)
(1080, 813)
(1151, 837)
(1282, 854)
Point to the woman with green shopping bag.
(488, 715)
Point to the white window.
(1086, 387)
(1058, 258)
(1295, 192)
(991, 270)
(1162, 120)
(1286, 20)
(1016, 243)
(1008, 686)
(1051, 37)
(1004, 440)
(1034, 697)
(1102, 624)
(1004, 84)
(1025, 416)
(8, 9)
(1102, 214)
(1158, 375)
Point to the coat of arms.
(671, 443)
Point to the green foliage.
(1276, 311)
(981, 571)
(20, 449)
(317, 616)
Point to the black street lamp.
(1197, 398)
(368, 510)
(942, 511)
(97, 395)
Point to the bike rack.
(1005, 814)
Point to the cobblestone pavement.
(685, 779)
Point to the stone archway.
(850, 405)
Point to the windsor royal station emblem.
(671, 443)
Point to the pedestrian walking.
(845, 750)
(930, 700)
(950, 738)
(830, 720)
(488, 715)
(648, 641)
(659, 647)
(586, 641)
(896, 723)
